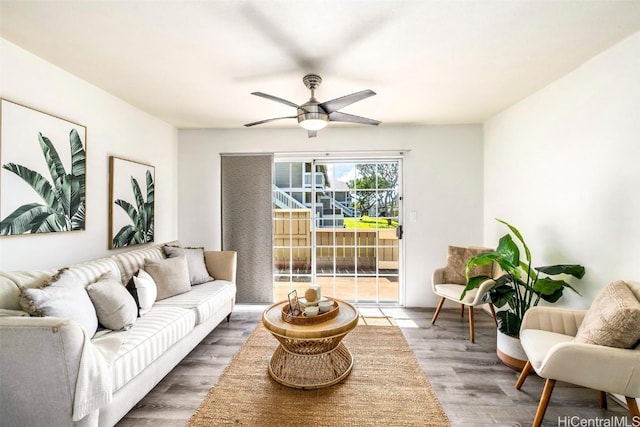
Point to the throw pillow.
(171, 275)
(144, 291)
(613, 320)
(195, 261)
(457, 259)
(114, 305)
(61, 296)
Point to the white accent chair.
(449, 282)
(547, 337)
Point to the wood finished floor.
(473, 387)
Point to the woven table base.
(310, 371)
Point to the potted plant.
(519, 286)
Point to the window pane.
(389, 288)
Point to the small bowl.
(325, 306)
(311, 311)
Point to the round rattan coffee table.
(310, 356)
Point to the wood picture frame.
(43, 173)
(131, 206)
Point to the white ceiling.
(195, 63)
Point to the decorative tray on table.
(299, 318)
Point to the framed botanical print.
(43, 174)
(131, 202)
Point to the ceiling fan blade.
(337, 116)
(338, 103)
(312, 133)
(275, 98)
(269, 120)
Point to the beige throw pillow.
(195, 261)
(457, 259)
(171, 275)
(62, 296)
(114, 305)
(613, 320)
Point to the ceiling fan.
(314, 115)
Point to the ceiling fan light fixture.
(311, 121)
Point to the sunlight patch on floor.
(376, 321)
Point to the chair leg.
(544, 402)
(462, 310)
(493, 313)
(632, 403)
(524, 374)
(438, 308)
(603, 400)
(472, 336)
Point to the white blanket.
(94, 383)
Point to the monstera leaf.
(519, 286)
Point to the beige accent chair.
(548, 337)
(448, 283)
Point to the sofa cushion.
(537, 343)
(205, 299)
(457, 259)
(13, 313)
(171, 276)
(9, 294)
(12, 281)
(453, 292)
(144, 291)
(62, 296)
(132, 261)
(613, 320)
(90, 272)
(115, 307)
(195, 261)
(148, 339)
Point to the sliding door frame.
(355, 158)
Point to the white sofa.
(40, 357)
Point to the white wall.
(442, 173)
(564, 167)
(113, 128)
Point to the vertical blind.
(246, 222)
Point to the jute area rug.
(386, 388)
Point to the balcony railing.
(319, 180)
(284, 200)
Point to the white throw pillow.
(114, 305)
(62, 296)
(144, 291)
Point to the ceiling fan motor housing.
(311, 110)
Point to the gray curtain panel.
(246, 222)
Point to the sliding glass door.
(337, 224)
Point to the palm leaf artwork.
(63, 198)
(141, 228)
